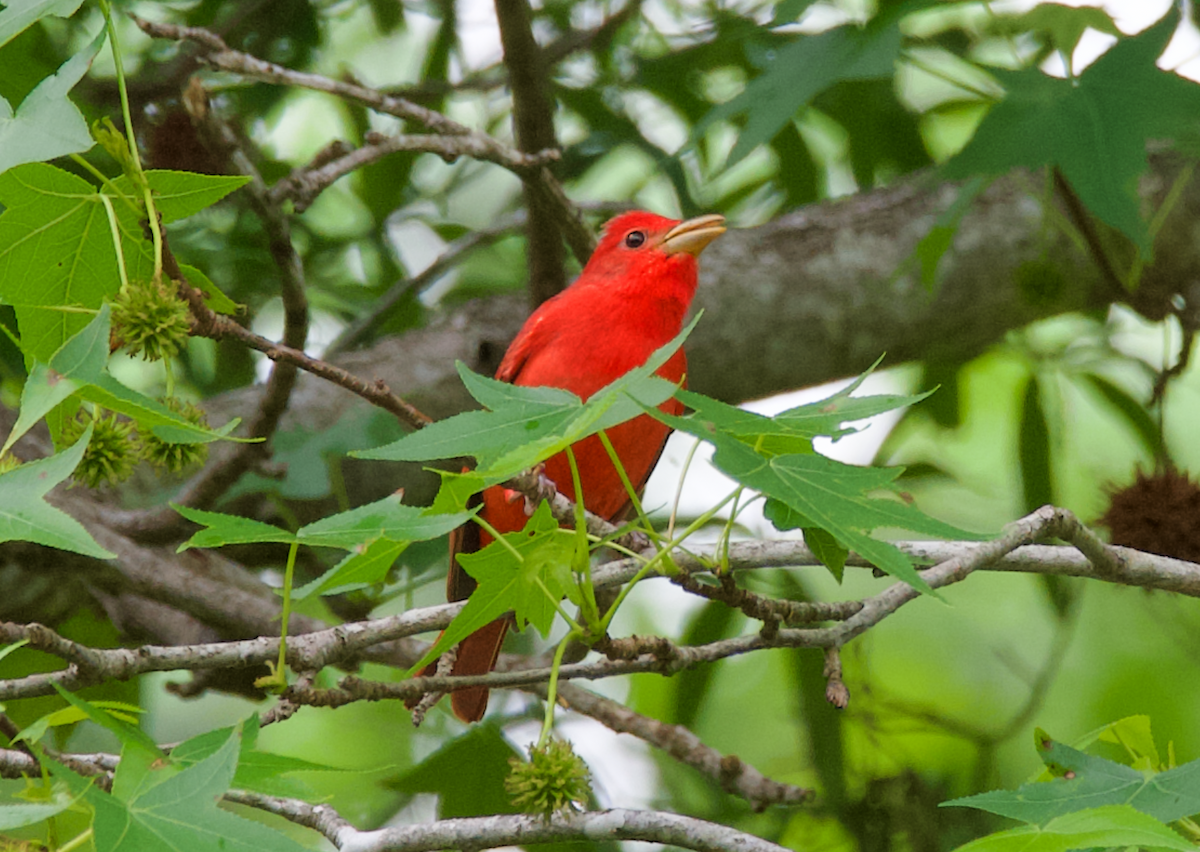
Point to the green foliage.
(773, 455)
(47, 124)
(799, 71)
(1093, 129)
(1086, 801)
(761, 109)
(385, 519)
(467, 773)
(522, 426)
(527, 572)
(175, 811)
(26, 516)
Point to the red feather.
(629, 301)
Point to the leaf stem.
(661, 556)
(552, 687)
(287, 608)
(582, 562)
(116, 238)
(127, 115)
(106, 181)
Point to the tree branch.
(533, 126)
(465, 142)
(317, 647)
(731, 773)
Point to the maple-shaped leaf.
(1094, 129)
(178, 814)
(1079, 780)
(26, 516)
(528, 572)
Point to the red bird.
(630, 300)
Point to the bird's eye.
(634, 239)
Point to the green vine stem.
(139, 175)
(552, 686)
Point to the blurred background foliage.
(751, 109)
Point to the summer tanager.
(630, 300)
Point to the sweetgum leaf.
(26, 516)
(1094, 129)
(530, 582)
(46, 124)
(1103, 827)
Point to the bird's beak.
(693, 235)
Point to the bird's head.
(648, 251)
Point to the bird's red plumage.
(629, 301)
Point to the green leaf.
(1093, 129)
(787, 11)
(78, 367)
(467, 774)
(526, 425)
(80, 360)
(792, 431)
(143, 763)
(259, 771)
(178, 815)
(1064, 24)
(25, 516)
(71, 715)
(19, 14)
(213, 297)
(1107, 826)
(364, 566)
(530, 583)
(934, 245)
(57, 261)
(835, 497)
(221, 529)
(178, 195)
(803, 69)
(828, 549)
(1080, 780)
(107, 392)
(46, 124)
(387, 518)
(56, 800)
(1033, 450)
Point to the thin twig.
(734, 775)
(313, 650)
(375, 315)
(303, 185)
(467, 142)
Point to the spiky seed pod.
(111, 455)
(176, 457)
(554, 780)
(151, 320)
(1158, 513)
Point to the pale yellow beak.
(693, 235)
